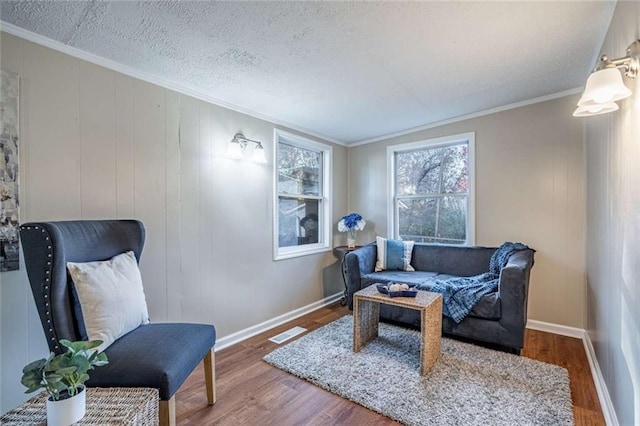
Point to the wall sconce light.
(247, 149)
(604, 86)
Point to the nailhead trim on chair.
(46, 283)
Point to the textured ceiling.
(350, 71)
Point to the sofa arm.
(359, 262)
(513, 289)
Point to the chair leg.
(168, 412)
(210, 376)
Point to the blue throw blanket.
(460, 295)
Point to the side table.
(105, 407)
(341, 252)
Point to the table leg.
(366, 315)
(431, 329)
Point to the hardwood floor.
(251, 392)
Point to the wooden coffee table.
(366, 315)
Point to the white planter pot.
(67, 411)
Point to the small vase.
(351, 238)
(66, 412)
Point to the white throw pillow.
(111, 297)
(394, 255)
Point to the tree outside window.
(432, 191)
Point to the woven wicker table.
(366, 315)
(105, 407)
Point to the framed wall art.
(9, 172)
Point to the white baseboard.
(241, 335)
(562, 330)
(601, 387)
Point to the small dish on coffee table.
(384, 289)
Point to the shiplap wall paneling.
(207, 199)
(190, 208)
(575, 226)
(173, 236)
(53, 119)
(560, 248)
(223, 174)
(97, 142)
(257, 281)
(150, 190)
(254, 260)
(214, 278)
(125, 158)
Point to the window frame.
(324, 222)
(392, 217)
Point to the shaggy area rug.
(469, 385)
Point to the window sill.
(299, 252)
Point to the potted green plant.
(63, 377)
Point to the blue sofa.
(498, 319)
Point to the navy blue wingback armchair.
(158, 355)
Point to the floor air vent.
(286, 335)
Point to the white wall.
(529, 188)
(613, 231)
(98, 144)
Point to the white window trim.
(392, 220)
(280, 253)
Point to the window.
(431, 190)
(302, 220)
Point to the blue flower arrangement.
(351, 222)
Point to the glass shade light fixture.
(605, 86)
(595, 109)
(246, 149)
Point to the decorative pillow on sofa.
(111, 297)
(394, 255)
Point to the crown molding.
(469, 116)
(185, 89)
